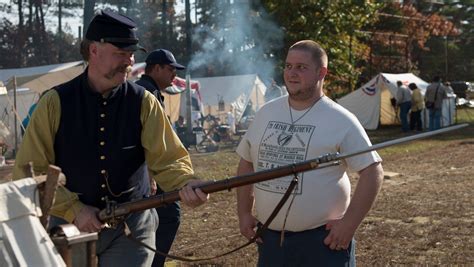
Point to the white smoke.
(240, 37)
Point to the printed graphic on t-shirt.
(282, 144)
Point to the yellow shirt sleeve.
(167, 159)
(38, 147)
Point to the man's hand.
(153, 187)
(193, 197)
(245, 200)
(342, 231)
(87, 221)
(247, 224)
(340, 234)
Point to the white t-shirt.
(321, 194)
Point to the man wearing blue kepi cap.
(160, 71)
(102, 131)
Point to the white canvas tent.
(371, 103)
(8, 114)
(219, 94)
(29, 82)
(238, 92)
(42, 77)
(23, 239)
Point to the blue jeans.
(404, 109)
(304, 248)
(169, 216)
(115, 249)
(435, 119)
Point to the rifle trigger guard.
(110, 206)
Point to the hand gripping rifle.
(114, 212)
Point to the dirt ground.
(423, 216)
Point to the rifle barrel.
(404, 140)
(252, 178)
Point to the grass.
(464, 115)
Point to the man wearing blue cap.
(102, 131)
(160, 71)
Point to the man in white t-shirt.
(322, 219)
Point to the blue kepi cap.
(117, 29)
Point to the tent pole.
(257, 106)
(189, 123)
(15, 121)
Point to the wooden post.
(15, 149)
(66, 253)
(47, 186)
(64, 244)
(52, 179)
(91, 256)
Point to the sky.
(70, 22)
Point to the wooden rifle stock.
(213, 186)
(114, 210)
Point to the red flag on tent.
(179, 85)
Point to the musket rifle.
(114, 213)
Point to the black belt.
(289, 233)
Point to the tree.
(450, 54)
(88, 14)
(8, 36)
(335, 25)
(408, 30)
(28, 43)
(156, 29)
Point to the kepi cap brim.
(130, 47)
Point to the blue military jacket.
(149, 84)
(98, 143)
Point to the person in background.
(273, 91)
(318, 227)
(179, 123)
(417, 106)
(26, 120)
(180, 128)
(160, 71)
(108, 136)
(231, 122)
(434, 95)
(4, 133)
(449, 89)
(404, 102)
